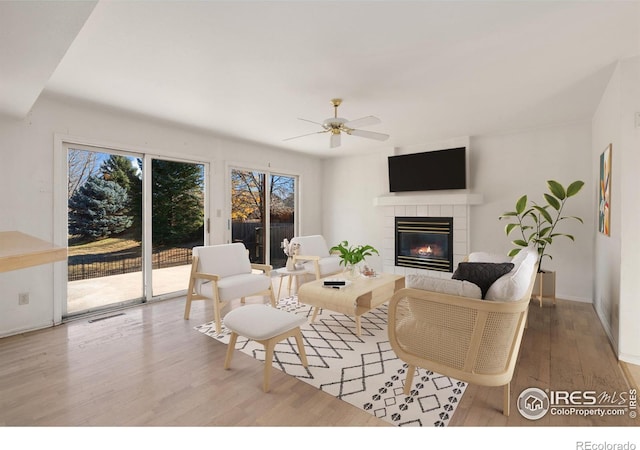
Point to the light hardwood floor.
(149, 367)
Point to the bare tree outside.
(248, 198)
(82, 164)
(247, 195)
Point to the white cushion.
(314, 245)
(488, 257)
(460, 288)
(260, 322)
(513, 286)
(223, 260)
(523, 254)
(237, 286)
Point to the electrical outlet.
(23, 298)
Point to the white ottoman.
(265, 325)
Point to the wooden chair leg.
(409, 381)
(506, 399)
(268, 360)
(301, 351)
(216, 315)
(191, 287)
(187, 306)
(272, 297)
(230, 349)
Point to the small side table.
(284, 272)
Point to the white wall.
(27, 184)
(507, 166)
(349, 186)
(503, 167)
(617, 256)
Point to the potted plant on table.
(537, 223)
(352, 255)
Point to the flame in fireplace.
(425, 251)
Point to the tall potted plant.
(537, 224)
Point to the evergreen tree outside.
(178, 201)
(121, 170)
(98, 209)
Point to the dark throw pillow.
(481, 274)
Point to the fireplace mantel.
(428, 199)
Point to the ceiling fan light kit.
(338, 125)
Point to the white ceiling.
(249, 69)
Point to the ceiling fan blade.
(303, 135)
(335, 140)
(307, 120)
(363, 122)
(369, 134)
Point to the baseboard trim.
(17, 331)
(607, 330)
(574, 299)
(629, 359)
(632, 382)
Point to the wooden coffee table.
(360, 296)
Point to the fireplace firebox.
(424, 243)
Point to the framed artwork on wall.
(604, 193)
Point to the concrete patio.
(93, 293)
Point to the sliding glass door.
(104, 229)
(177, 221)
(263, 213)
(133, 220)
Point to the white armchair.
(224, 272)
(315, 256)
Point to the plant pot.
(352, 271)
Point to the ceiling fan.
(338, 125)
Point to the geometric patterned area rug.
(361, 370)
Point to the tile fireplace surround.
(425, 205)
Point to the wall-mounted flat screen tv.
(428, 171)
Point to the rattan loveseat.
(469, 339)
